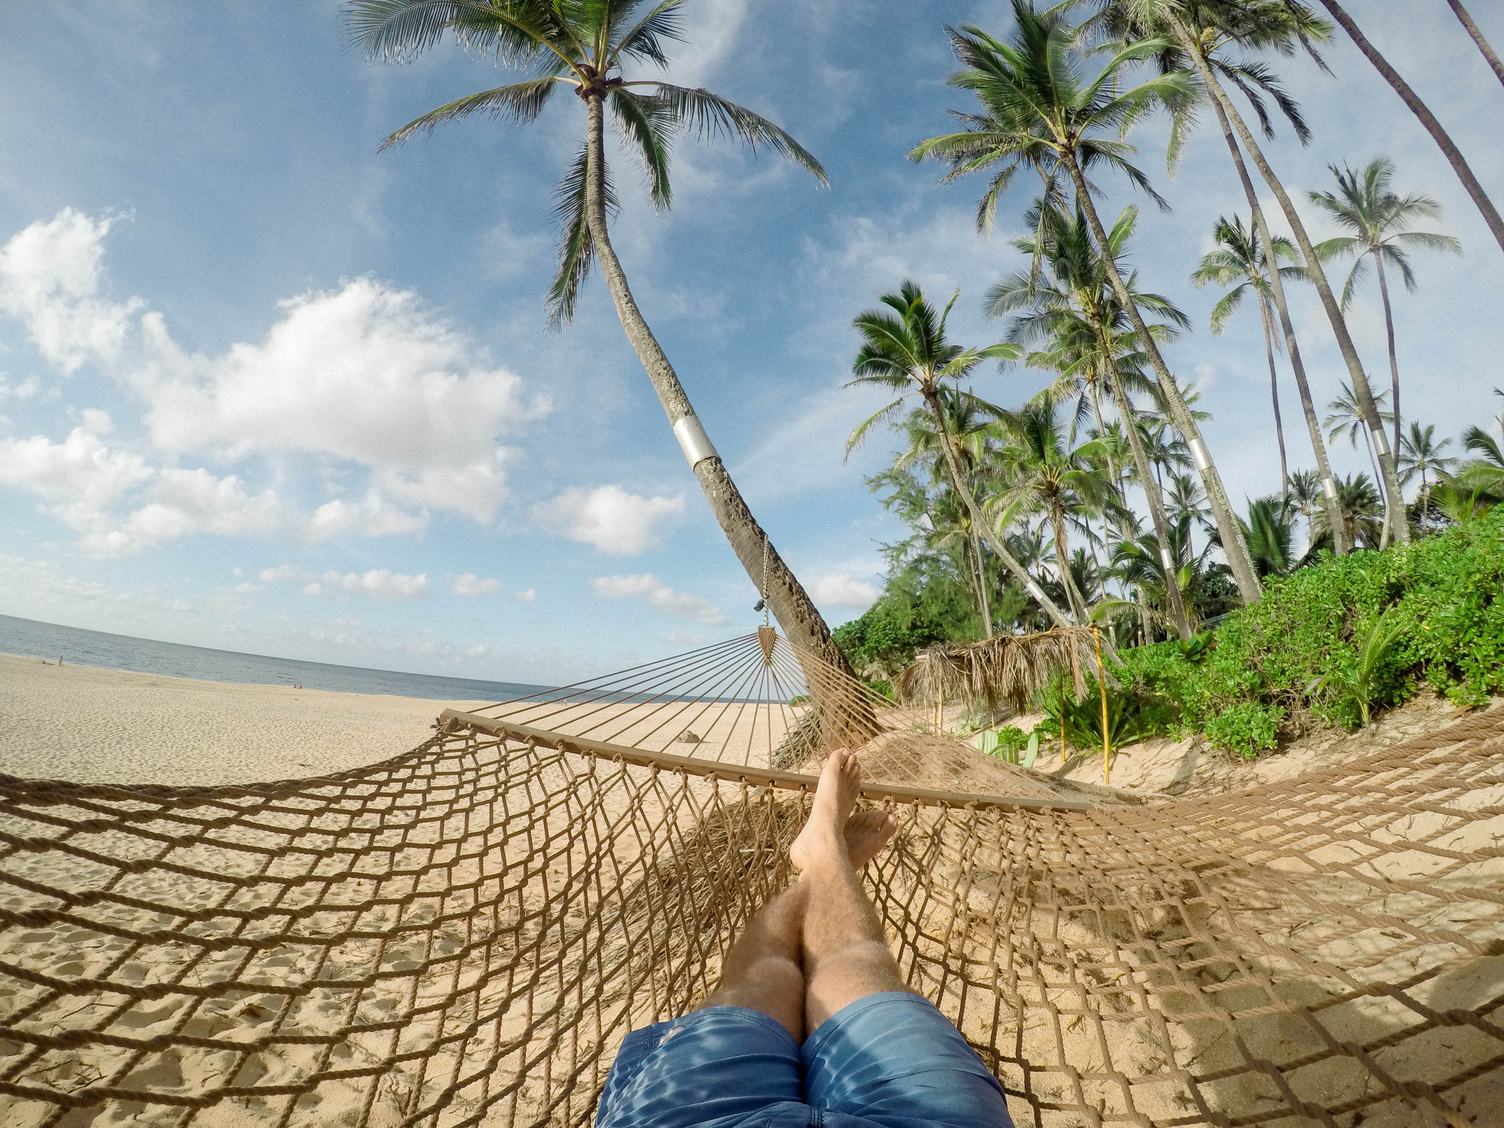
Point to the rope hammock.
(463, 934)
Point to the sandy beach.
(94, 725)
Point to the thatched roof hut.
(1003, 670)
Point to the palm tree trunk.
(1155, 500)
(983, 602)
(1472, 29)
(787, 600)
(1063, 563)
(1423, 112)
(1233, 544)
(1287, 330)
(1394, 364)
(1390, 483)
(1153, 497)
(978, 522)
(1372, 461)
(1279, 426)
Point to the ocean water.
(147, 656)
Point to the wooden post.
(1096, 639)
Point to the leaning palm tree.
(1241, 263)
(1198, 30)
(593, 50)
(904, 352)
(1198, 37)
(1421, 456)
(1423, 113)
(967, 431)
(1066, 304)
(1374, 213)
(1042, 473)
(1042, 111)
(1485, 48)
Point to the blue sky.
(265, 388)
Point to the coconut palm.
(1423, 113)
(1198, 31)
(1188, 500)
(1362, 511)
(1067, 305)
(1140, 563)
(967, 428)
(1198, 36)
(1041, 473)
(1302, 495)
(1345, 417)
(1366, 205)
(595, 50)
(1241, 263)
(1423, 457)
(904, 351)
(1270, 535)
(1478, 484)
(1040, 109)
(1489, 54)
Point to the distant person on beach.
(812, 1022)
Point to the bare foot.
(823, 836)
(867, 832)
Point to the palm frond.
(647, 127)
(576, 247)
(400, 30)
(646, 40)
(710, 115)
(517, 102)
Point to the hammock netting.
(463, 934)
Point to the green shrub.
(1356, 687)
(1131, 716)
(1247, 728)
(1011, 740)
(1306, 653)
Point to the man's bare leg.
(763, 970)
(846, 957)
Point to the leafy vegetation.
(1332, 642)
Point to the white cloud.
(378, 583)
(658, 595)
(50, 280)
(180, 503)
(363, 373)
(609, 518)
(371, 516)
(526, 595)
(840, 589)
(469, 583)
(81, 477)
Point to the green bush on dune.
(1331, 643)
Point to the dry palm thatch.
(1003, 670)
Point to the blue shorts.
(890, 1060)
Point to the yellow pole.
(1096, 639)
(1062, 724)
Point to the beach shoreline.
(93, 724)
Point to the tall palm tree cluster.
(1098, 498)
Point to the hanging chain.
(766, 619)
